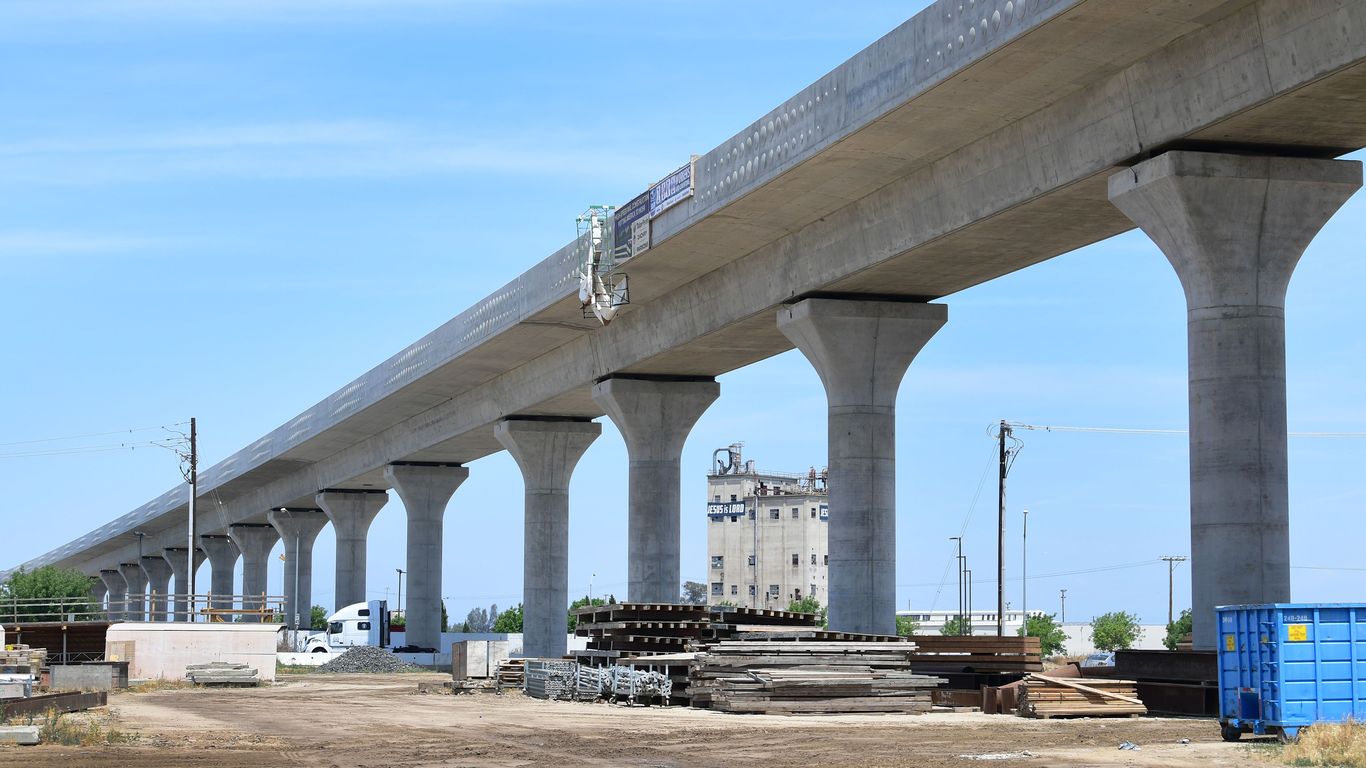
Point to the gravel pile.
(367, 658)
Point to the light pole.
(967, 626)
(1024, 572)
(399, 600)
(959, 560)
(1063, 592)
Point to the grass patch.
(152, 686)
(294, 669)
(1329, 744)
(80, 731)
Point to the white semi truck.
(356, 624)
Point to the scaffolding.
(602, 288)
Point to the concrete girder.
(1234, 227)
(425, 490)
(298, 529)
(861, 350)
(351, 513)
(654, 416)
(546, 452)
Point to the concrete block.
(82, 677)
(26, 735)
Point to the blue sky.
(231, 209)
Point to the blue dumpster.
(1284, 666)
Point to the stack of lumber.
(1044, 696)
(19, 659)
(795, 676)
(511, 673)
(976, 653)
(221, 673)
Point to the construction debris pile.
(20, 669)
(222, 674)
(368, 659)
(1044, 696)
(570, 681)
(791, 677)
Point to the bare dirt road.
(377, 721)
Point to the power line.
(93, 434)
(1132, 431)
(83, 449)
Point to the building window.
(751, 559)
(751, 590)
(717, 587)
(732, 498)
(813, 589)
(813, 513)
(735, 518)
(796, 559)
(772, 590)
(813, 558)
(717, 498)
(827, 560)
(735, 589)
(718, 562)
(751, 514)
(796, 513)
(773, 514)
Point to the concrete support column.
(117, 589)
(137, 591)
(1234, 227)
(654, 417)
(351, 513)
(255, 541)
(175, 557)
(861, 350)
(425, 490)
(223, 554)
(298, 529)
(546, 452)
(98, 589)
(158, 573)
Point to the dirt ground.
(377, 721)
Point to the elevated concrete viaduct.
(974, 140)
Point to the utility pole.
(1024, 573)
(189, 537)
(1064, 606)
(959, 560)
(399, 600)
(1002, 436)
(967, 577)
(1171, 561)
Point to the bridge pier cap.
(546, 452)
(654, 416)
(425, 490)
(861, 350)
(1234, 227)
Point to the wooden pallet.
(1047, 697)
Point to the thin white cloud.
(20, 12)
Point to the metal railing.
(152, 606)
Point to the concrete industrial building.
(972, 141)
(766, 534)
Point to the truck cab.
(356, 624)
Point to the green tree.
(906, 626)
(509, 620)
(958, 625)
(809, 604)
(1113, 631)
(694, 593)
(317, 617)
(49, 593)
(582, 602)
(1177, 630)
(1050, 633)
(445, 621)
